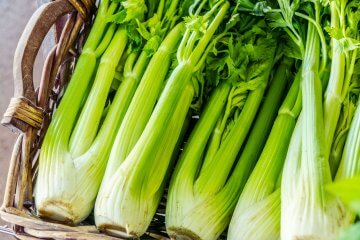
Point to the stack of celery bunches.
(246, 112)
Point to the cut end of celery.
(118, 231)
(177, 233)
(58, 211)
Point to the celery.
(146, 95)
(303, 211)
(140, 175)
(77, 143)
(343, 35)
(350, 162)
(198, 195)
(310, 172)
(343, 26)
(334, 90)
(261, 184)
(260, 221)
(147, 65)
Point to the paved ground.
(14, 15)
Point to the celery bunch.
(78, 142)
(75, 149)
(274, 152)
(198, 195)
(141, 156)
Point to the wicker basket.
(30, 111)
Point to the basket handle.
(23, 111)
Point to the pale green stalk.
(192, 203)
(292, 167)
(229, 148)
(68, 181)
(189, 220)
(144, 100)
(78, 142)
(346, 182)
(136, 221)
(263, 125)
(139, 179)
(334, 92)
(233, 143)
(350, 161)
(260, 221)
(188, 169)
(307, 210)
(313, 138)
(263, 179)
(314, 171)
(81, 140)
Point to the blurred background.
(14, 16)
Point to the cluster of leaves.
(145, 22)
(239, 58)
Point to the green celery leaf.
(234, 19)
(152, 45)
(184, 7)
(134, 36)
(196, 23)
(261, 8)
(347, 44)
(290, 49)
(334, 32)
(130, 10)
(276, 20)
(143, 31)
(118, 17)
(135, 9)
(353, 15)
(288, 9)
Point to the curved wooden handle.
(30, 43)
(23, 111)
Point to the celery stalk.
(262, 127)
(146, 95)
(60, 200)
(349, 168)
(198, 195)
(350, 162)
(334, 91)
(81, 140)
(77, 144)
(261, 220)
(314, 167)
(307, 210)
(136, 221)
(261, 184)
(141, 174)
(229, 148)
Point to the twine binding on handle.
(24, 110)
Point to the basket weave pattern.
(30, 111)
